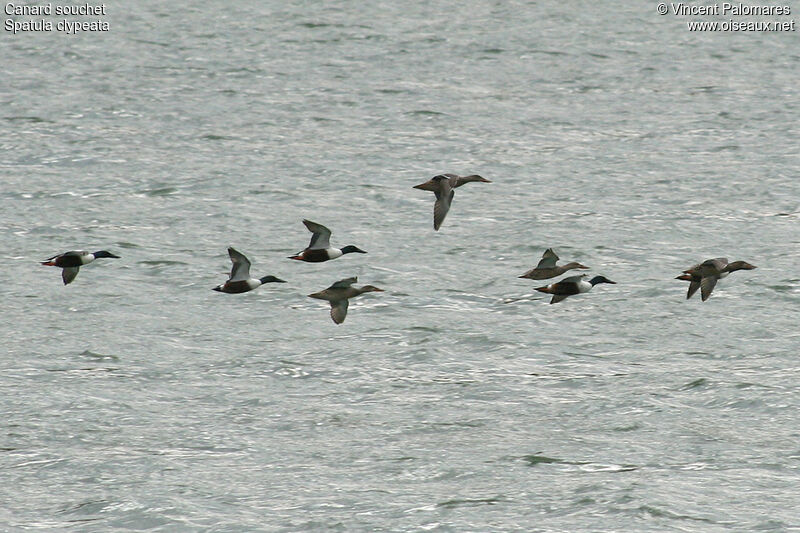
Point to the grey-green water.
(138, 399)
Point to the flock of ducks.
(703, 276)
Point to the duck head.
(475, 177)
(352, 249)
(601, 279)
(103, 253)
(573, 264)
(370, 288)
(740, 265)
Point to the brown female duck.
(442, 186)
(547, 267)
(704, 276)
(338, 295)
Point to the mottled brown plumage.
(338, 295)
(704, 276)
(443, 185)
(547, 268)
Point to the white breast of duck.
(86, 259)
(582, 285)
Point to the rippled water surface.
(458, 400)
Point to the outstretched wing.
(548, 260)
(709, 267)
(444, 198)
(694, 284)
(557, 298)
(707, 285)
(718, 263)
(344, 283)
(68, 274)
(339, 310)
(241, 265)
(321, 238)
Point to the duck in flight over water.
(442, 186)
(571, 286)
(338, 295)
(704, 276)
(72, 261)
(547, 267)
(320, 249)
(240, 281)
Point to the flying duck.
(338, 295)
(547, 267)
(442, 186)
(240, 280)
(572, 285)
(320, 249)
(73, 260)
(704, 276)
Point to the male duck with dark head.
(338, 295)
(442, 186)
(547, 268)
(240, 280)
(320, 249)
(704, 276)
(571, 286)
(72, 261)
